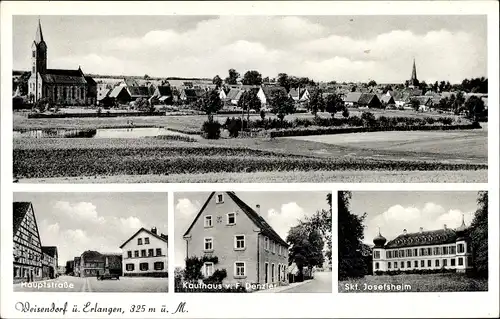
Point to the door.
(266, 273)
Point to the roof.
(164, 90)
(424, 238)
(138, 91)
(39, 34)
(89, 255)
(130, 82)
(101, 94)
(62, 76)
(20, 210)
(161, 237)
(352, 97)
(50, 250)
(366, 98)
(269, 89)
(233, 93)
(116, 91)
(90, 80)
(422, 99)
(387, 99)
(257, 219)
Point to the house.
(223, 93)
(27, 247)
(120, 95)
(351, 99)
(162, 95)
(245, 245)
(77, 266)
(70, 265)
(191, 94)
(299, 94)
(145, 254)
(387, 100)
(49, 262)
(93, 264)
(91, 91)
(234, 95)
(444, 248)
(62, 86)
(138, 92)
(265, 93)
(424, 101)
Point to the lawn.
(414, 283)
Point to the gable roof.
(50, 250)
(387, 99)
(90, 80)
(138, 91)
(353, 97)
(62, 76)
(161, 237)
(424, 238)
(233, 93)
(130, 82)
(257, 219)
(270, 89)
(116, 91)
(20, 210)
(164, 90)
(367, 98)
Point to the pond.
(137, 132)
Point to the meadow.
(451, 282)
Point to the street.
(91, 284)
(322, 282)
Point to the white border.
(257, 305)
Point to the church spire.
(39, 34)
(414, 72)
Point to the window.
(437, 263)
(415, 252)
(279, 250)
(452, 262)
(150, 252)
(266, 243)
(389, 265)
(143, 266)
(129, 254)
(429, 252)
(402, 264)
(73, 92)
(231, 218)
(129, 267)
(239, 269)
(82, 93)
(273, 246)
(34, 69)
(272, 273)
(136, 253)
(422, 252)
(208, 269)
(388, 254)
(146, 241)
(209, 243)
(143, 253)
(208, 221)
(139, 241)
(460, 248)
(239, 242)
(453, 250)
(159, 265)
(34, 54)
(219, 199)
(460, 261)
(429, 263)
(158, 251)
(445, 250)
(445, 262)
(408, 264)
(422, 263)
(377, 265)
(415, 264)
(376, 255)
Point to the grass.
(418, 283)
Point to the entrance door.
(266, 272)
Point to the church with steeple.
(413, 83)
(59, 86)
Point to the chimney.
(421, 229)
(153, 230)
(257, 209)
(445, 228)
(404, 231)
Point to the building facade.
(425, 250)
(93, 264)
(27, 247)
(246, 246)
(49, 262)
(145, 254)
(65, 87)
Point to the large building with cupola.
(444, 248)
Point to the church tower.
(413, 80)
(39, 52)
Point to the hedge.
(84, 115)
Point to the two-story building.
(444, 248)
(145, 254)
(49, 262)
(94, 263)
(246, 246)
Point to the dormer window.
(231, 218)
(208, 221)
(219, 199)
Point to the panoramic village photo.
(153, 99)
(90, 242)
(412, 241)
(253, 242)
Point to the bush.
(211, 130)
(368, 119)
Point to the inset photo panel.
(413, 241)
(90, 242)
(253, 242)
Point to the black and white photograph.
(259, 242)
(90, 242)
(435, 241)
(250, 98)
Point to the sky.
(395, 211)
(75, 222)
(281, 210)
(324, 48)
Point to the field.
(415, 283)
(438, 156)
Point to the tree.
(283, 81)
(210, 103)
(217, 81)
(372, 83)
(350, 236)
(475, 107)
(306, 247)
(249, 101)
(265, 80)
(146, 77)
(322, 221)
(281, 104)
(479, 235)
(334, 103)
(415, 104)
(252, 78)
(232, 79)
(316, 102)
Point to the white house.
(145, 254)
